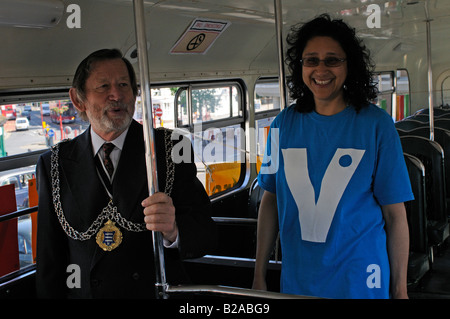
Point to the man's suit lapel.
(88, 195)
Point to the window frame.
(234, 120)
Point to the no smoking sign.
(199, 37)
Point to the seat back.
(402, 132)
(419, 251)
(254, 199)
(424, 118)
(416, 209)
(437, 111)
(431, 154)
(443, 115)
(443, 123)
(441, 136)
(409, 124)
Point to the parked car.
(45, 109)
(22, 123)
(19, 177)
(26, 112)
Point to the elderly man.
(95, 212)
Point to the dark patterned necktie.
(107, 148)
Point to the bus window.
(219, 156)
(50, 121)
(63, 112)
(385, 84)
(162, 107)
(163, 102)
(267, 96)
(393, 93)
(213, 116)
(11, 180)
(208, 104)
(403, 95)
(445, 91)
(182, 114)
(267, 106)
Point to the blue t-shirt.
(331, 175)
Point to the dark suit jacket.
(127, 271)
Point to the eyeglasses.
(329, 62)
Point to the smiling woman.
(325, 82)
(335, 149)
(334, 39)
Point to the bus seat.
(419, 256)
(254, 199)
(408, 124)
(402, 132)
(441, 136)
(424, 118)
(437, 111)
(431, 154)
(444, 115)
(9, 253)
(255, 196)
(442, 123)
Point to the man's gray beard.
(117, 125)
(114, 125)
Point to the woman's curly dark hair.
(359, 87)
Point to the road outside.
(36, 137)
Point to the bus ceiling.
(35, 54)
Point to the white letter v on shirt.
(315, 220)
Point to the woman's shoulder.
(374, 111)
(288, 112)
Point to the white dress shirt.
(97, 143)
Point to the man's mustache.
(116, 105)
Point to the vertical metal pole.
(394, 96)
(189, 106)
(279, 35)
(430, 74)
(150, 152)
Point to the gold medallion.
(109, 236)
